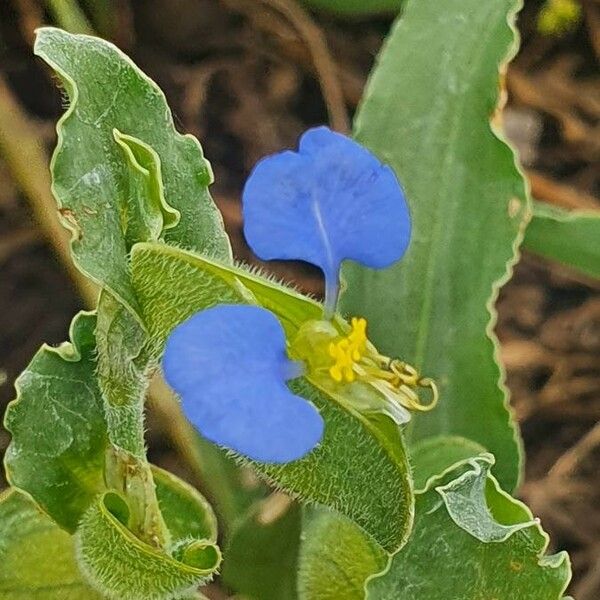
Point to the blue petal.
(330, 201)
(229, 366)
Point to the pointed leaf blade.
(426, 113)
(570, 237)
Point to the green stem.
(132, 477)
(102, 13)
(68, 14)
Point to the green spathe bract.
(354, 443)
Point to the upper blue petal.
(229, 366)
(330, 201)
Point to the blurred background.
(247, 77)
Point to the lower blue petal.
(229, 366)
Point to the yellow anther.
(358, 337)
(347, 351)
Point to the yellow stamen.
(398, 381)
(348, 351)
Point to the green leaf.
(262, 552)
(58, 430)
(118, 158)
(172, 284)
(472, 540)
(134, 570)
(433, 456)
(426, 112)
(186, 512)
(335, 558)
(145, 213)
(569, 237)
(37, 558)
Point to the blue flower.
(330, 201)
(229, 366)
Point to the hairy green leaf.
(58, 431)
(426, 112)
(118, 158)
(134, 570)
(213, 283)
(37, 558)
(480, 542)
(186, 512)
(262, 551)
(172, 284)
(570, 237)
(335, 558)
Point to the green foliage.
(472, 540)
(172, 284)
(115, 113)
(335, 558)
(132, 569)
(134, 193)
(37, 558)
(434, 455)
(58, 430)
(112, 188)
(262, 552)
(569, 237)
(426, 112)
(122, 174)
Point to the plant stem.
(69, 16)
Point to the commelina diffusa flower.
(332, 200)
